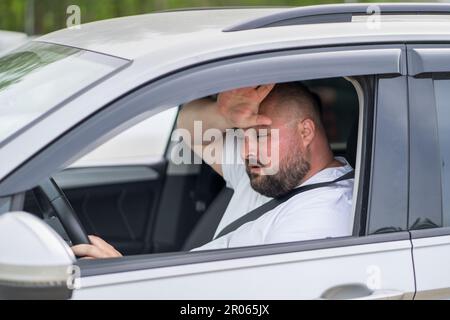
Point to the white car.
(67, 99)
(9, 40)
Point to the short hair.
(299, 93)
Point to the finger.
(264, 90)
(99, 242)
(104, 246)
(242, 92)
(263, 120)
(87, 250)
(238, 91)
(258, 120)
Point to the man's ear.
(307, 129)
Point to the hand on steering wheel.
(99, 249)
(83, 245)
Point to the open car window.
(135, 197)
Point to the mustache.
(253, 162)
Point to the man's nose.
(250, 149)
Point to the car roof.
(10, 39)
(185, 32)
(132, 36)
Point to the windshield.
(37, 77)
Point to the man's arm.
(206, 111)
(233, 109)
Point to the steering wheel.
(64, 212)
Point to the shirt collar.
(329, 174)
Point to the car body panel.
(9, 40)
(428, 213)
(299, 275)
(431, 262)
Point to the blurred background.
(36, 17)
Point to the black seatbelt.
(258, 212)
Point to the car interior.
(163, 207)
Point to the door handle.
(360, 292)
(384, 295)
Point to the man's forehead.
(278, 113)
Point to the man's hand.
(240, 106)
(97, 250)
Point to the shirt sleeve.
(233, 167)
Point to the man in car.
(304, 158)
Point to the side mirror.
(35, 263)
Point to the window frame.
(426, 63)
(388, 199)
(367, 59)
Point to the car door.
(374, 263)
(121, 182)
(429, 217)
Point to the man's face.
(275, 162)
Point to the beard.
(291, 172)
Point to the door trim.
(93, 177)
(152, 261)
